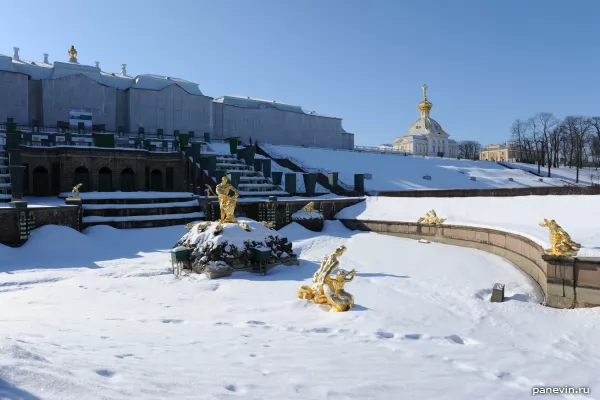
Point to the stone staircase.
(252, 183)
(5, 186)
(133, 210)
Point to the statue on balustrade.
(431, 218)
(561, 243)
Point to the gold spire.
(424, 105)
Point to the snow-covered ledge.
(567, 282)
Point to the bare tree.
(545, 124)
(469, 149)
(536, 141)
(578, 129)
(518, 138)
(595, 144)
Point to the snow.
(587, 176)
(578, 215)
(300, 188)
(233, 234)
(130, 195)
(192, 203)
(301, 214)
(220, 148)
(98, 219)
(398, 172)
(40, 202)
(98, 315)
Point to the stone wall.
(80, 93)
(530, 191)
(14, 97)
(280, 211)
(171, 108)
(566, 282)
(60, 165)
(275, 126)
(11, 219)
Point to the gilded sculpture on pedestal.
(270, 225)
(561, 243)
(72, 54)
(328, 289)
(227, 202)
(310, 207)
(431, 218)
(75, 191)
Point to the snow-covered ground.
(98, 315)
(578, 215)
(398, 172)
(587, 176)
(300, 188)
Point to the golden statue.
(270, 225)
(245, 226)
(326, 289)
(190, 225)
(310, 207)
(561, 243)
(431, 218)
(218, 229)
(227, 202)
(72, 54)
(202, 227)
(75, 191)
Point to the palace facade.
(41, 93)
(426, 137)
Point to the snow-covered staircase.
(5, 187)
(125, 210)
(252, 183)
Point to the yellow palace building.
(426, 136)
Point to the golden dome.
(425, 105)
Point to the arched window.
(105, 180)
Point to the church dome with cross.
(426, 136)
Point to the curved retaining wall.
(567, 282)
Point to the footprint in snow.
(384, 334)
(256, 323)
(231, 388)
(107, 373)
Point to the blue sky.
(486, 62)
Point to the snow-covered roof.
(252, 102)
(411, 138)
(40, 70)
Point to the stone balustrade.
(567, 282)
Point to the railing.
(375, 149)
(305, 167)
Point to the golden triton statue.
(270, 225)
(245, 226)
(75, 191)
(431, 218)
(227, 202)
(309, 207)
(72, 54)
(328, 289)
(561, 243)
